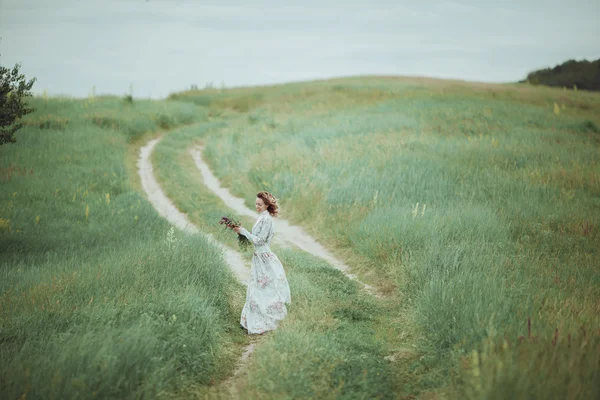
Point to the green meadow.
(473, 208)
(97, 297)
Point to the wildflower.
(475, 361)
(231, 222)
(415, 209)
(171, 240)
(4, 223)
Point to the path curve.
(167, 209)
(286, 232)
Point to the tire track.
(286, 232)
(167, 209)
(289, 234)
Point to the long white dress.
(268, 290)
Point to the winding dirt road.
(286, 233)
(167, 209)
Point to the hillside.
(472, 208)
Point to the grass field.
(95, 300)
(474, 208)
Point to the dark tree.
(14, 88)
(582, 74)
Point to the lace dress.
(268, 289)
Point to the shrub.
(14, 88)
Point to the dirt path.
(167, 209)
(285, 232)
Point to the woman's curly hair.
(270, 201)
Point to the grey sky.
(162, 46)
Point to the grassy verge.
(97, 296)
(475, 205)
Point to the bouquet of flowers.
(231, 222)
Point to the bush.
(13, 90)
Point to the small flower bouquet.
(231, 222)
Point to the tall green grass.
(330, 353)
(473, 207)
(98, 297)
(509, 232)
(334, 341)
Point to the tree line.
(571, 74)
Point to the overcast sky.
(162, 46)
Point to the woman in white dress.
(268, 290)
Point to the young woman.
(268, 290)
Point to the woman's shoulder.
(266, 218)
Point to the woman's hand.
(237, 229)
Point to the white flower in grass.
(374, 201)
(415, 210)
(171, 240)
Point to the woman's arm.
(263, 231)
